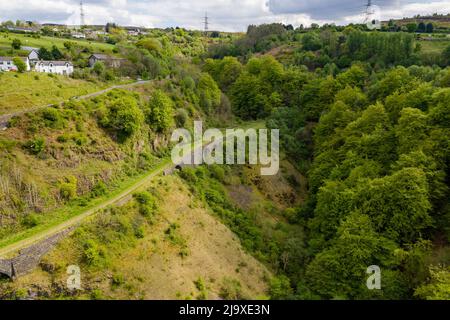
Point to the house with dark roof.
(55, 67)
(7, 64)
(109, 61)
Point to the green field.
(23, 91)
(436, 47)
(28, 41)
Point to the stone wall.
(29, 258)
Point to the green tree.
(99, 68)
(411, 130)
(160, 114)
(421, 27)
(340, 270)
(16, 44)
(44, 54)
(397, 204)
(411, 27)
(438, 286)
(446, 55)
(280, 288)
(21, 66)
(249, 100)
(225, 71)
(56, 54)
(311, 41)
(355, 76)
(121, 113)
(152, 45)
(208, 92)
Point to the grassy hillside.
(43, 41)
(178, 251)
(44, 151)
(22, 91)
(434, 47)
(437, 21)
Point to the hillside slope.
(184, 253)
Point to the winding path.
(121, 197)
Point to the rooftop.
(55, 63)
(11, 58)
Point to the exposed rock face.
(29, 258)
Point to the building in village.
(55, 67)
(109, 61)
(7, 64)
(33, 56)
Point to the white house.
(79, 35)
(7, 64)
(56, 67)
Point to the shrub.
(63, 138)
(117, 280)
(16, 44)
(99, 189)
(68, 188)
(122, 113)
(30, 220)
(280, 288)
(231, 289)
(52, 118)
(93, 254)
(147, 203)
(99, 68)
(21, 66)
(139, 232)
(36, 146)
(181, 118)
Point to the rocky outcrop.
(29, 258)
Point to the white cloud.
(230, 15)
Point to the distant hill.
(438, 21)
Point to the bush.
(36, 146)
(181, 118)
(280, 288)
(121, 114)
(144, 198)
(68, 188)
(231, 289)
(99, 189)
(21, 66)
(99, 68)
(52, 118)
(30, 221)
(117, 280)
(93, 254)
(16, 44)
(63, 138)
(147, 203)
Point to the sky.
(224, 15)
